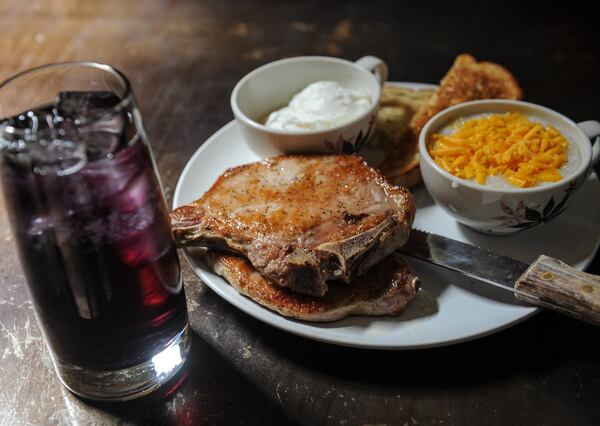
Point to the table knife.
(547, 282)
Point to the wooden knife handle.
(553, 284)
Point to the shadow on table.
(536, 346)
(207, 391)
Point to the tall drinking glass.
(90, 223)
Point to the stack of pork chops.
(309, 236)
(312, 237)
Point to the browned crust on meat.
(191, 214)
(386, 290)
(344, 234)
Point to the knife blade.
(547, 282)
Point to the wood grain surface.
(183, 58)
(553, 284)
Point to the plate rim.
(289, 325)
(203, 275)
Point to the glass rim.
(124, 102)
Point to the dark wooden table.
(183, 59)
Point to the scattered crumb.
(246, 353)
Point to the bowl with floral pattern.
(271, 86)
(507, 209)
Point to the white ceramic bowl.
(271, 87)
(506, 210)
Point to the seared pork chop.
(301, 219)
(385, 290)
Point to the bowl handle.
(376, 66)
(591, 129)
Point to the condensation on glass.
(91, 227)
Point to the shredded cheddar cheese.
(510, 145)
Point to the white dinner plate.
(449, 308)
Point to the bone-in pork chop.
(302, 219)
(385, 290)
